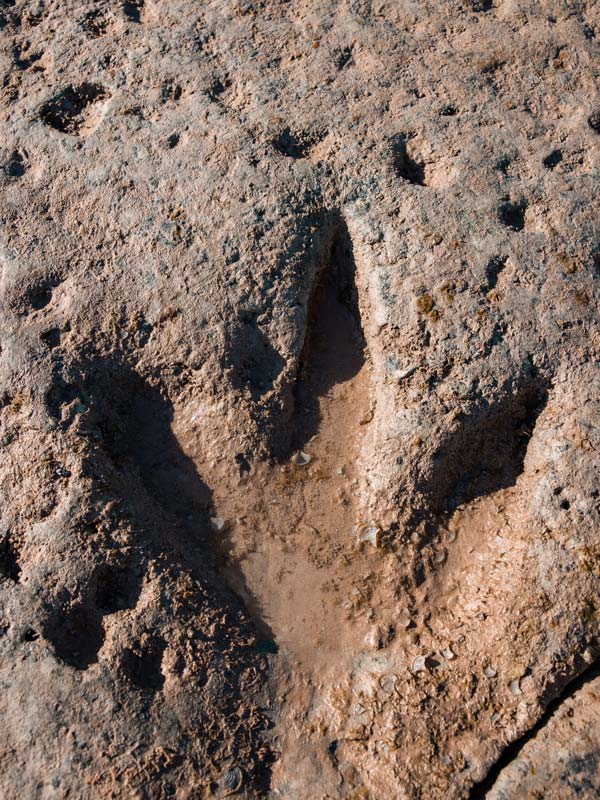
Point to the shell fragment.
(370, 533)
(301, 459)
(419, 665)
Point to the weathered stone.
(363, 230)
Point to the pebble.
(369, 533)
(217, 523)
(301, 459)
(448, 654)
(419, 664)
(515, 686)
(404, 618)
(388, 683)
(490, 672)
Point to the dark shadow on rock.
(116, 586)
(297, 144)
(334, 343)
(159, 522)
(66, 111)
(142, 664)
(76, 634)
(135, 423)
(255, 364)
(486, 452)
(406, 167)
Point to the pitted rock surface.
(299, 399)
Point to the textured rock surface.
(231, 230)
(562, 760)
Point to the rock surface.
(299, 398)
(562, 761)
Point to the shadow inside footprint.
(487, 451)
(334, 343)
(76, 633)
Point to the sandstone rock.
(362, 230)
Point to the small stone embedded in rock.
(589, 656)
(515, 686)
(388, 683)
(217, 524)
(370, 533)
(231, 782)
(373, 639)
(404, 618)
(490, 672)
(419, 665)
(301, 459)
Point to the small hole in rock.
(76, 635)
(39, 297)
(143, 666)
(565, 505)
(406, 167)
(117, 587)
(171, 91)
(9, 561)
(51, 338)
(133, 10)
(173, 141)
(344, 57)
(243, 463)
(219, 87)
(59, 395)
(297, 144)
(30, 635)
(448, 111)
(594, 121)
(66, 111)
(494, 268)
(513, 215)
(553, 159)
(478, 5)
(95, 23)
(15, 167)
